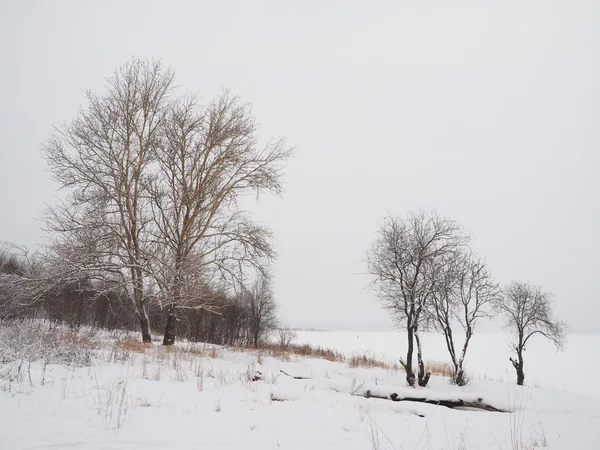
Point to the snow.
(185, 399)
(574, 370)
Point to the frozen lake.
(575, 369)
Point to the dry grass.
(368, 360)
(86, 340)
(214, 353)
(316, 352)
(439, 368)
(130, 345)
(306, 350)
(280, 354)
(276, 351)
(203, 351)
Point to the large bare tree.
(207, 159)
(401, 261)
(103, 158)
(463, 292)
(529, 312)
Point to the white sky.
(488, 112)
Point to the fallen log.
(295, 378)
(446, 403)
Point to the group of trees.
(428, 277)
(152, 213)
(243, 317)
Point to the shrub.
(57, 345)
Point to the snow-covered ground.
(575, 369)
(201, 397)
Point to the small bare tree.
(463, 291)
(207, 159)
(261, 309)
(400, 261)
(285, 336)
(529, 312)
(103, 158)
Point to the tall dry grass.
(439, 368)
(306, 350)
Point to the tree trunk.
(80, 308)
(171, 327)
(518, 365)
(138, 299)
(410, 375)
(459, 376)
(145, 327)
(423, 377)
(520, 373)
(144, 321)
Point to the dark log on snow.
(395, 398)
(446, 403)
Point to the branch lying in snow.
(475, 403)
(447, 403)
(295, 378)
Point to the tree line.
(237, 319)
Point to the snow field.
(202, 396)
(574, 370)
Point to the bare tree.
(400, 261)
(529, 312)
(103, 159)
(261, 309)
(285, 336)
(208, 158)
(464, 289)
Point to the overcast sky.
(489, 113)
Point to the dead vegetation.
(370, 361)
(306, 350)
(36, 341)
(366, 360)
(64, 345)
(440, 368)
(130, 345)
(203, 350)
